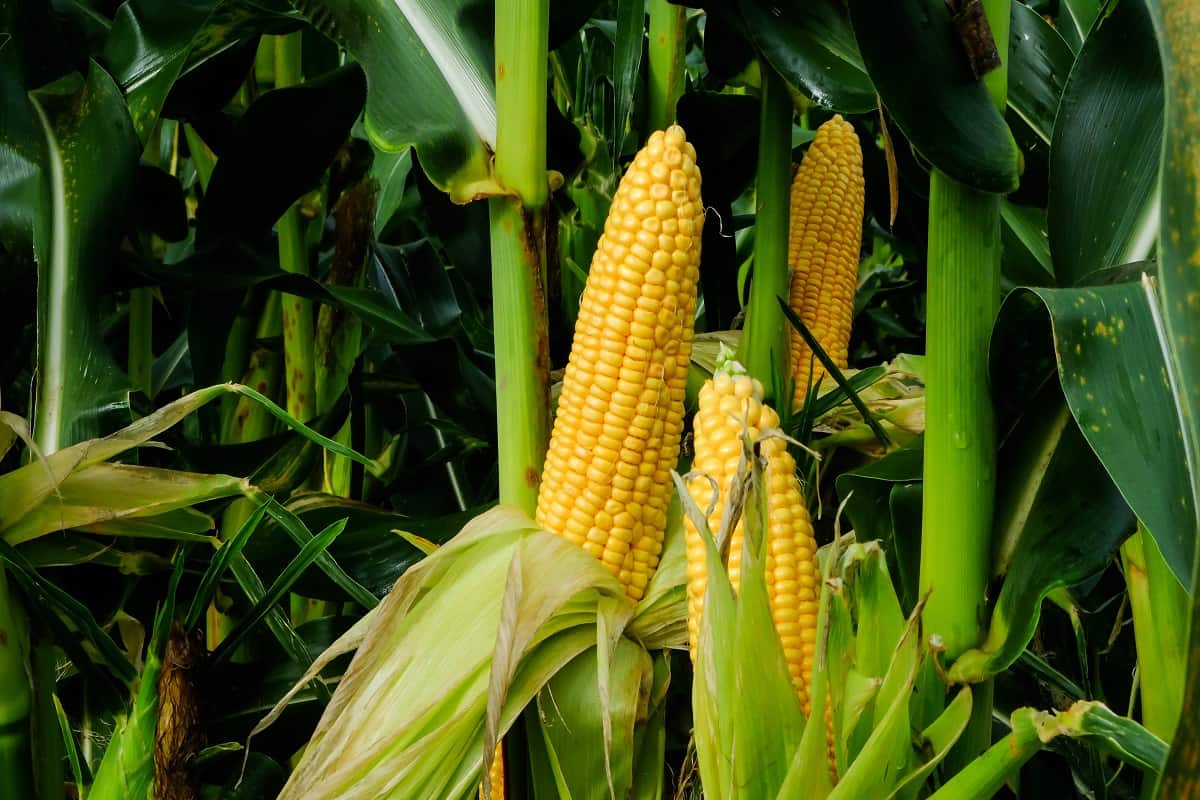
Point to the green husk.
(417, 713)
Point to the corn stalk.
(293, 257)
(518, 240)
(960, 426)
(668, 36)
(764, 343)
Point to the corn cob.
(731, 407)
(824, 239)
(606, 483)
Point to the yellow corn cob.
(607, 481)
(731, 406)
(824, 239)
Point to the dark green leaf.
(430, 69)
(1112, 372)
(370, 551)
(45, 596)
(813, 48)
(304, 538)
(886, 506)
(312, 549)
(203, 594)
(627, 59)
(1039, 61)
(1104, 158)
(91, 151)
(1060, 521)
(278, 151)
(951, 120)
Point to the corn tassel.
(606, 482)
(824, 239)
(731, 407)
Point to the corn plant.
(638, 398)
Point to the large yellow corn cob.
(607, 480)
(824, 239)
(731, 407)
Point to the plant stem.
(293, 257)
(988, 773)
(141, 353)
(16, 699)
(518, 236)
(518, 239)
(963, 297)
(960, 440)
(668, 33)
(764, 344)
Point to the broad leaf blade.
(1103, 207)
(430, 81)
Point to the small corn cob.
(731, 407)
(824, 239)
(606, 482)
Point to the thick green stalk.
(1176, 23)
(293, 257)
(668, 32)
(1159, 604)
(764, 345)
(16, 699)
(963, 297)
(960, 440)
(518, 236)
(141, 331)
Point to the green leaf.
(627, 59)
(937, 739)
(570, 716)
(313, 548)
(91, 153)
(768, 722)
(875, 493)
(1025, 247)
(370, 552)
(813, 48)
(1075, 20)
(1103, 206)
(1179, 245)
(46, 596)
(430, 82)
(277, 151)
(1039, 62)
(1119, 736)
(108, 492)
(951, 121)
(1107, 354)
(217, 565)
(1060, 519)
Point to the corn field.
(613, 399)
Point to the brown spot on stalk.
(3, 637)
(531, 477)
(500, 71)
